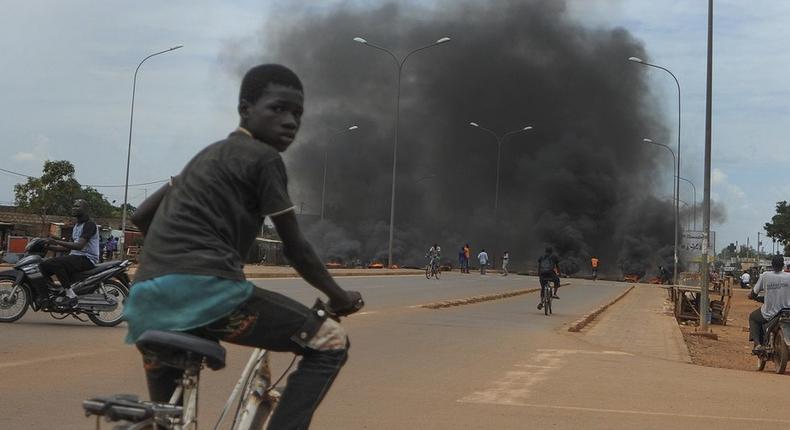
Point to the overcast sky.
(67, 71)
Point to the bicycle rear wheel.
(437, 272)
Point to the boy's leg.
(275, 322)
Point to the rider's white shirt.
(745, 277)
(777, 292)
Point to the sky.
(68, 67)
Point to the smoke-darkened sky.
(581, 180)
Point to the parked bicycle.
(254, 395)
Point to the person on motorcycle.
(776, 285)
(434, 254)
(548, 272)
(198, 230)
(83, 253)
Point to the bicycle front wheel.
(428, 272)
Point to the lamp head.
(353, 127)
(529, 127)
(360, 40)
(474, 124)
(443, 40)
(636, 59)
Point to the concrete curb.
(476, 299)
(579, 324)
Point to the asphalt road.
(500, 364)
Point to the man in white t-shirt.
(482, 257)
(776, 285)
(745, 278)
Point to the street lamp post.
(677, 183)
(400, 64)
(694, 208)
(129, 150)
(675, 202)
(499, 140)
(326, 158)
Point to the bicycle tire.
(549, 305)
(437, 273)
(428, 272)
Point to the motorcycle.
(776, 334)
(100, 291)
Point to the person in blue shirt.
(83, 253)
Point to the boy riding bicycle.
(548, 272)
(197, 230)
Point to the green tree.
(779, 227)
(55, 191)
(97, 204)
(51, 194)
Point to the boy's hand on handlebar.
(343, 306)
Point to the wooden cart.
(686, 301)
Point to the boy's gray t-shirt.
(777, 292)
(209, 219)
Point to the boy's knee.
(330, 337)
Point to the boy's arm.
(144, 214)
(304, 259)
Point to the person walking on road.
(594, 264)
(467, 256)
(505, 261)
(461, 259)
(482, 257)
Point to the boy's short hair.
(259, 77)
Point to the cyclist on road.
(434, 254)
(197, 231)
(548, 271)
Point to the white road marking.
(514, 388)
(367, 313)
(649, 413)
(55, 358)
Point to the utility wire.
(89, 185)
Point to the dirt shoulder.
(732, 350)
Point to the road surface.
(500, 364)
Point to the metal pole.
(677, 182)
(703, 326)
(122, 241)
(499, 140)
(675, 201)
(397, 127)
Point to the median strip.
(581, 323)
(476, 299)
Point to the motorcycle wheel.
(780, 352)
(12, 308)
(111, 318)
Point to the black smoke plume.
(581, 181)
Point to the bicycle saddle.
(181, 350)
